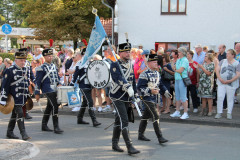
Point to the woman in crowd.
(174, 55)
(138, 61)
(228, 73)
(205, 87)
(194, 79)
(181, 71)
(133, 53)
(68, 64)
(167, 68)
(216, 63)
(97, 93)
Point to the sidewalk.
(194, 117)
(17, 149)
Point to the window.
(172, 45)
(173, 7)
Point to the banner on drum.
(73, 99)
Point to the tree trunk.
(75, 44)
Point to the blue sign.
(6, 28)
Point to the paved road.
(187, 141)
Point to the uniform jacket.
(120, 84)
(81, 76)
(148, 80)
(15, 82)
(47, 78)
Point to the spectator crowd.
(214, 77)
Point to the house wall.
(207, 22)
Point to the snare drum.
(62, 93)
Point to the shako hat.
(124, 47)
(20, 55)
(47, 52)
(151, 57)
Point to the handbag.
(167, 76)
(187, 81)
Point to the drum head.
(98, 74)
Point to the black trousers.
(17, 112)
(195, 99)
(121, 115)
(52, 104)
(150, 111)
(87, 98)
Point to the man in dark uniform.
(15, 82)
(86, 90)
(47, 80)
(32, 78)
(122, 90)
(149, 83)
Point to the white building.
(182, 22)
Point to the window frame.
(178, 44)
(174, 13)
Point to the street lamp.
(111, 4)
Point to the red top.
(193, 76)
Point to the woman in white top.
(228, 73)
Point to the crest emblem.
(114, 69)
(5, 75)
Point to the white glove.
(167, 94)
(3, 103)
(130, 91)
(137, 100)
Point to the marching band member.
(85, 88)
(15, 82)
(47, 80)
(148, 85)
(32, 79)
(122, 89)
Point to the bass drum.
(98, 74)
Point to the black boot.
(93, 117)
(28, 116)
(80, 116)
(57, 130)
(115, 139)
(45, 122)
(141, 130)
(81, 121)
(11, 126)
(158, 132)
(131, 149)
(22, 129)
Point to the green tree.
(62, 19)
(10, 13)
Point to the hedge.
(12, 57)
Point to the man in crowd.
(221, 52)
(47, 80)
(16, 80)
(237, 49)
(199, 55)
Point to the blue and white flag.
(96, 40)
